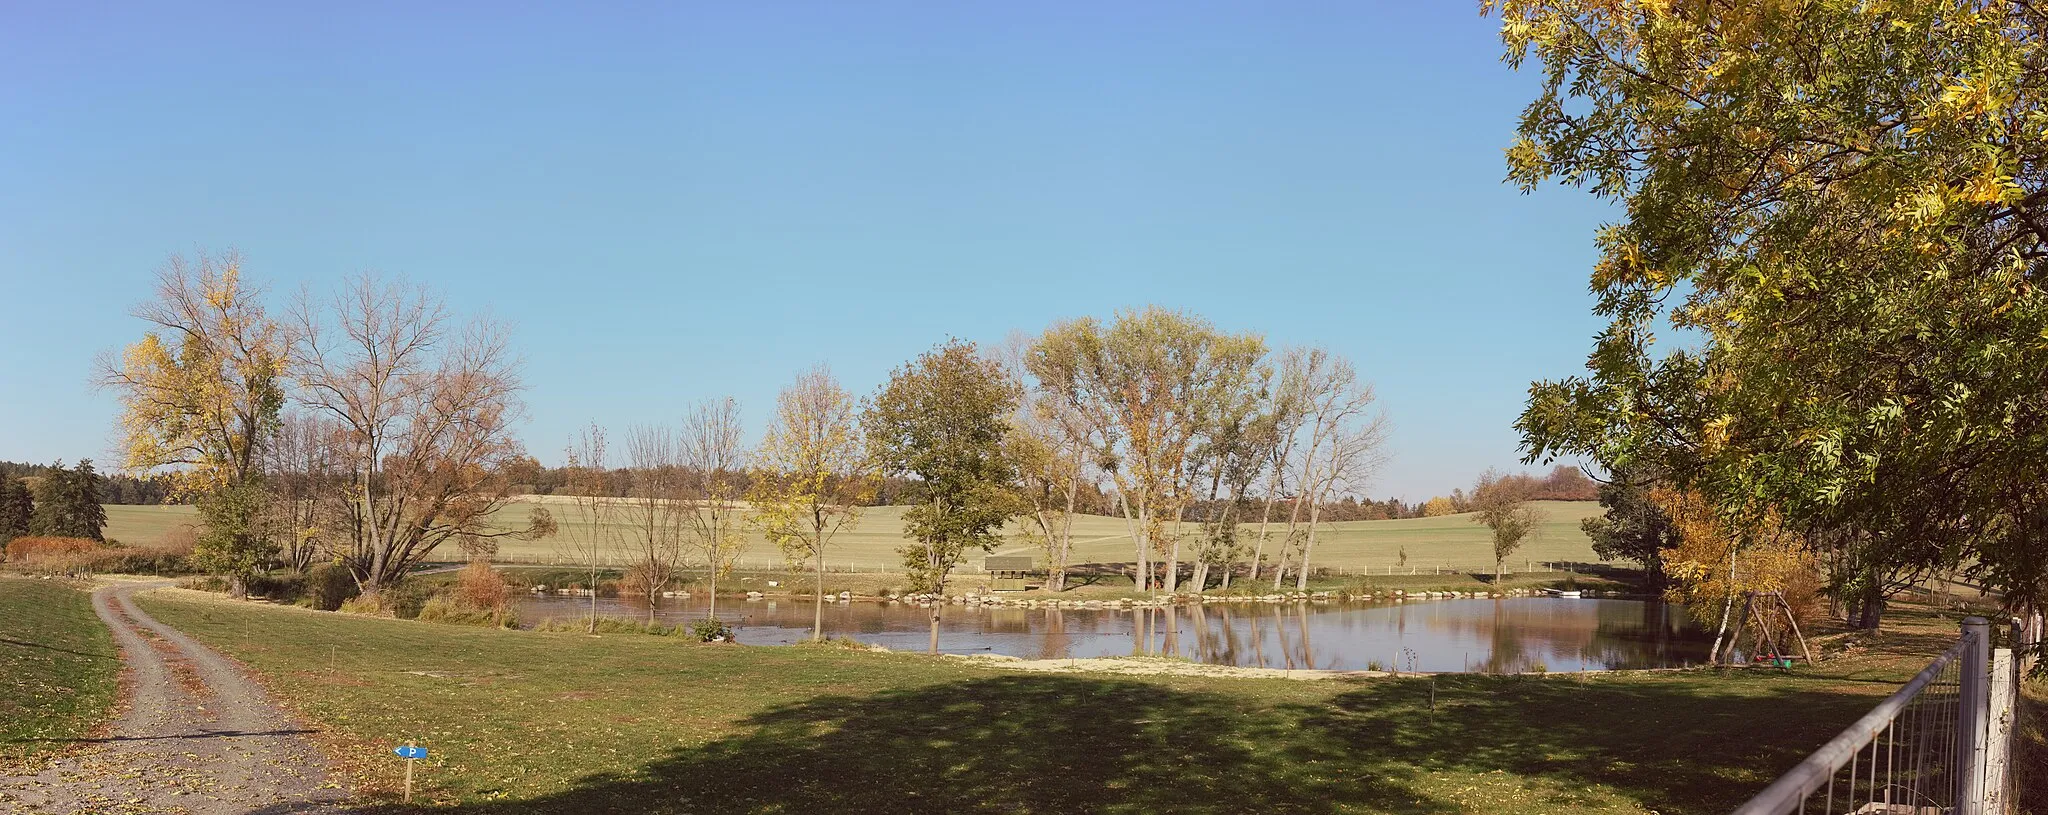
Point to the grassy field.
(1452, 541)
(521, 721)
(57, 667)
(147, 524)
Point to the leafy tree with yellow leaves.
(1847, 203)
(200, 395)
(1716, 558)
(810, 474)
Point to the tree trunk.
(1259, 550)
(818, 612)
(935, 629)
(1144, 542)
(1727, 608)
(1173, 563)
(1057, 581)
(713, 612)
(1307, 547)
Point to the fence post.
(1973, 702)
(1998, 742)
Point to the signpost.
(411, 754)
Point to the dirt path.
(195, 736)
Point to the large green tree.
(68, 503)
(942, 420)
(1841, 203)
(1634, 528)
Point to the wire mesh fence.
(1923, 750)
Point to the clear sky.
(671, 201)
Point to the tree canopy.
(67, 504)
(1839, 205)
(943, 419)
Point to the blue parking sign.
(410, 751)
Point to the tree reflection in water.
(1503, 636)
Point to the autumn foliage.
(45, 551)
(481, 587)
(1713, 561)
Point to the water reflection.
(1505, 636)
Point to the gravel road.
(195, 736)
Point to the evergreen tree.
(69, 506)
(16, 507)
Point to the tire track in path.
(195, 736)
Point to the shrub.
(481, 587)
(124, 560)
(365, 604)
(329, 585)
(403, 601)
(446, 609)
(205, 582)
(711, 629)
(285, 587)
(45, 553)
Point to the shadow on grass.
(1072, 744)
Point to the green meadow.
(1448, 542)
(57, 666)
(524, 721)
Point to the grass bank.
(58, 667)
(546, 722)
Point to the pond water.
(1508, 635)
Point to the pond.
(1508, 635)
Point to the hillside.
(1451, 541)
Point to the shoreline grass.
(558, 722)
(59, 669)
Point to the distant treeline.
(1562, 484)
(114, 489)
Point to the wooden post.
(1794, 621)
(408, 775)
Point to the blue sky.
(681, 200)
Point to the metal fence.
(1935, 747)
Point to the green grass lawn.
(58, 666)
(522, 721)
(1451, 541)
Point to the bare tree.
(1345, 441)
(426, 412)
(303, 473)
(1282, 422)
(587, 540)
(713, 456)
(811, 474)
(654, 510)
